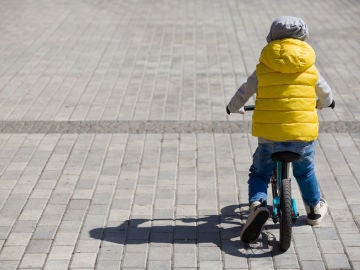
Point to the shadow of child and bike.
(222, 230)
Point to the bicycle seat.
(285, 156)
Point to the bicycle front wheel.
(285, 215)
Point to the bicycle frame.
(284, 205)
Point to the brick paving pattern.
(116, 151)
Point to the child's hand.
(332, 106)
(241, 110)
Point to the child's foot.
(258, 216)
(316, 213)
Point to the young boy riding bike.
(288, 90)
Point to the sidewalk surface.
(116, 151)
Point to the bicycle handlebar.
(249, 107)
(252, 107)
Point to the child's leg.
(316, 207)
(260, 172)
(303, 170)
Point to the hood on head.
(288, 55)
(288, 27)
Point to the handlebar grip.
(249, 108)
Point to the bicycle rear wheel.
(286, 215)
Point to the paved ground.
(115, 149)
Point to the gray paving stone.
(331, 246)
(184, 256)
(39, 246)
(66, 238)
(8, 265)
(57, 264)
(353, 253)
(12, 253)
(161, 265)
(160, 253)
(337, 261)
(312, 265)
(60, 253)
(350, 239)
(33, 260)
(110, 253)
(207, 254)
(45, 232)
(83, 260)
(306, 247)
(114, 264)
(20, 239)
(134, 260)
(4, 231)
(210, 264)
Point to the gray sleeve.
(242, 95)
(323, 93)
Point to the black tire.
(285, 215)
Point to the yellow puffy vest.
(285, 107)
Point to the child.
(288, 90)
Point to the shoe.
(316, 213)
(258, 216)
